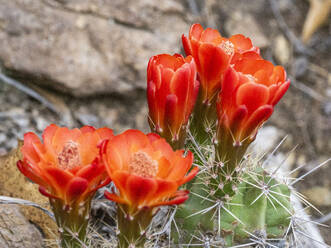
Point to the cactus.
(260, 207)
(233, 209)
(233, 198)
(234, 201)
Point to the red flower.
(171, 92)
(213, 54)
(250, 91)
(65, 164)
(146, 171)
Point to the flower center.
(143, 165)
(69, 157)
(250, 77)
(228, 47)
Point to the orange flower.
(65, 165)
(250, 91)
(146, 171)
(172, 89)
(213, 54)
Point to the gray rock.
(87, 47)
(300, 66)
(245, 23)
(3, 137)
(282, 50)
(267, 139)
(16, 231)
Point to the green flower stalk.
(72, 221)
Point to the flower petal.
(114, 198)
(213, 62)
(32, 173)
(58, 179)
(181, 197)
(241, 42)
(189, 176)
(280, 92)
(76, 187)
(256, 120)
(140, 190)
(252, 95)
(28, 149)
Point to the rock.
(300, 66)
(88, 119)
(327, 108)
(3, 151)
(3, 137)
(267, 139)
(15, 184)
(16, 231)
(284, 5)
(320, 196)
(141, 120)
(246, 24)
(282, 50)
(88, 47)
(41, 123)
(22, 121)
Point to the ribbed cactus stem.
(176, 140)
(262, 205)
(228, 150)
(203, 121)
(132, 226)
(193, 216)
(72, 221)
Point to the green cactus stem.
(193, 215)
(72, 221)
(132, 228)
(203, 121)
(258, 205)
(262, 205)
(229, 151)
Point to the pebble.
(267, 138)
(245, 23)
(282, 50)
(3, 137)
(327, 108)
(320, 196)
(300, 66)
(22, 121)
(88, 119)
(41, 123)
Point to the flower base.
(133, 226)
(72, 221)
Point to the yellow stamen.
(143, 165)
(228, 47)
(68, 158)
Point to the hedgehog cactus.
(231, 198)
(261, 208)
(253, 204)
(211, 102)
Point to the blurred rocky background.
(83, 62)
